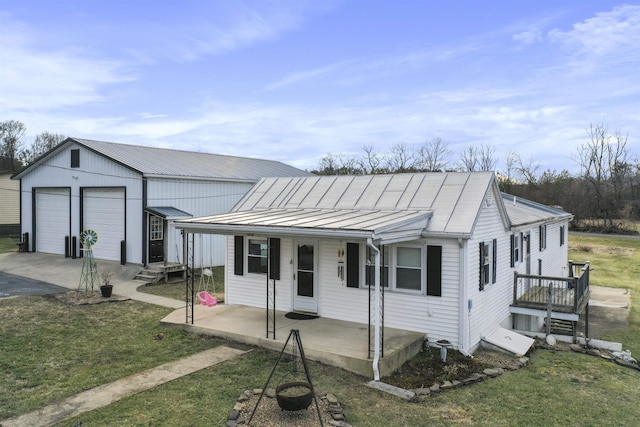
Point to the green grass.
(615, 262)
(51, 350)
(562, 388)
(176, 290)
(48, 351)
(8, 244)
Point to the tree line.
(604, 195)
(13, 152)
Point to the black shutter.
(274, 258)
(540, 239)
(238, 255)
(434, 271)
(513, 247)
(353, 265)
(494, 272)
(481, 250)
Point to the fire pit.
(294, 396)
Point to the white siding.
(198, 198)
(251, 289)
(490, 307)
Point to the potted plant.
(106, 288)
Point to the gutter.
(376, 304)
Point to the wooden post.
(549, 309)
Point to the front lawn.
(51, 350)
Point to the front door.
(156, 238)
(305, 280)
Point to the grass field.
(49, 351)
(8, 244)
(615, 262)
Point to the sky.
(294, 80)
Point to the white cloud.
(34, 79)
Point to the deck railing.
(563, 294)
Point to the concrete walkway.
(107, 394)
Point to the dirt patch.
(82, 298)
(427, 367)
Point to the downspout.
(376, 307)
(465, 308)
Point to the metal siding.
(94, 171)
(198, 198)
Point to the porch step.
(153, 274)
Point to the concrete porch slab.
(329, 341)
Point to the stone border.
(421, 394)
(603, 354)
(334, 408)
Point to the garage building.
(129, 195)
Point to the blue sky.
(295, 80)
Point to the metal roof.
(523, 212)
(153, 161)
(400, 206)
(167, 212)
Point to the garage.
(53, 219)
(103, 210)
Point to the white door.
(103, 212)
(305, 279)
(53, 219)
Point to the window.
(562, 235)
(409, 268)
(156, 228)
(516, 248)
(75, 158)
(257, 256)
(488, 263)
(543, 236)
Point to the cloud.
(34, 79)
(607, 33)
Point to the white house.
(446, 246)
(130, 195)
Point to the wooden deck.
(561, 298)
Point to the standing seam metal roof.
(153, 161)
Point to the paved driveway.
(11, 285)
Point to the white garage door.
(53, 213)
(103, 212)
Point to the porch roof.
(380, 225)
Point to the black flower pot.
(106, 290)
(297, 401)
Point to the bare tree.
(469, 159)
(11, 133)
(400, 159)
(42, 143)
(433, 156)
(528, 170)
(488, 160)
(604, 164)
(372, 160)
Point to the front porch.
(329, 341)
